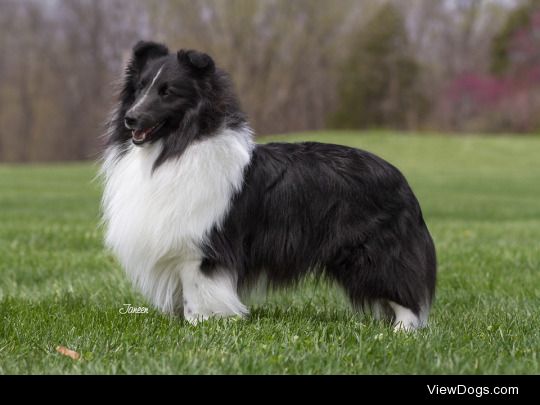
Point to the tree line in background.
(442, 65)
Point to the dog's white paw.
(195, 319)
(404, 327)
(406, 320)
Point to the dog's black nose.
(130, 122)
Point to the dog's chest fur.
(155, 220)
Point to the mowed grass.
(481, 200)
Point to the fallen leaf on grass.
(68, 352)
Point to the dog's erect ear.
(197, 62)
(143, 51)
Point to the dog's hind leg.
(405, 319)
(211, 295)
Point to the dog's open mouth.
(140, 136)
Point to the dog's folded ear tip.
(145, 50)
(199, 60)
(143, 46)
(140, 43)
(195, 59)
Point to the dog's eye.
(164, 91)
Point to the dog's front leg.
(209, 295)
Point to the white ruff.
(156, 221)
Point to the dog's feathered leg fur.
(208, 296)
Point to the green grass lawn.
(481, 200)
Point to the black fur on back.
(332, 210)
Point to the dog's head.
(163, 90)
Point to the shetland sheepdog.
(197, 212)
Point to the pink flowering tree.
(508, 97)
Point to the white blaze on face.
(141, 100)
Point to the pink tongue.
(139, 135)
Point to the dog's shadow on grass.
(301, 314)
(311, 316)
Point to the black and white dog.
(197, 212)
